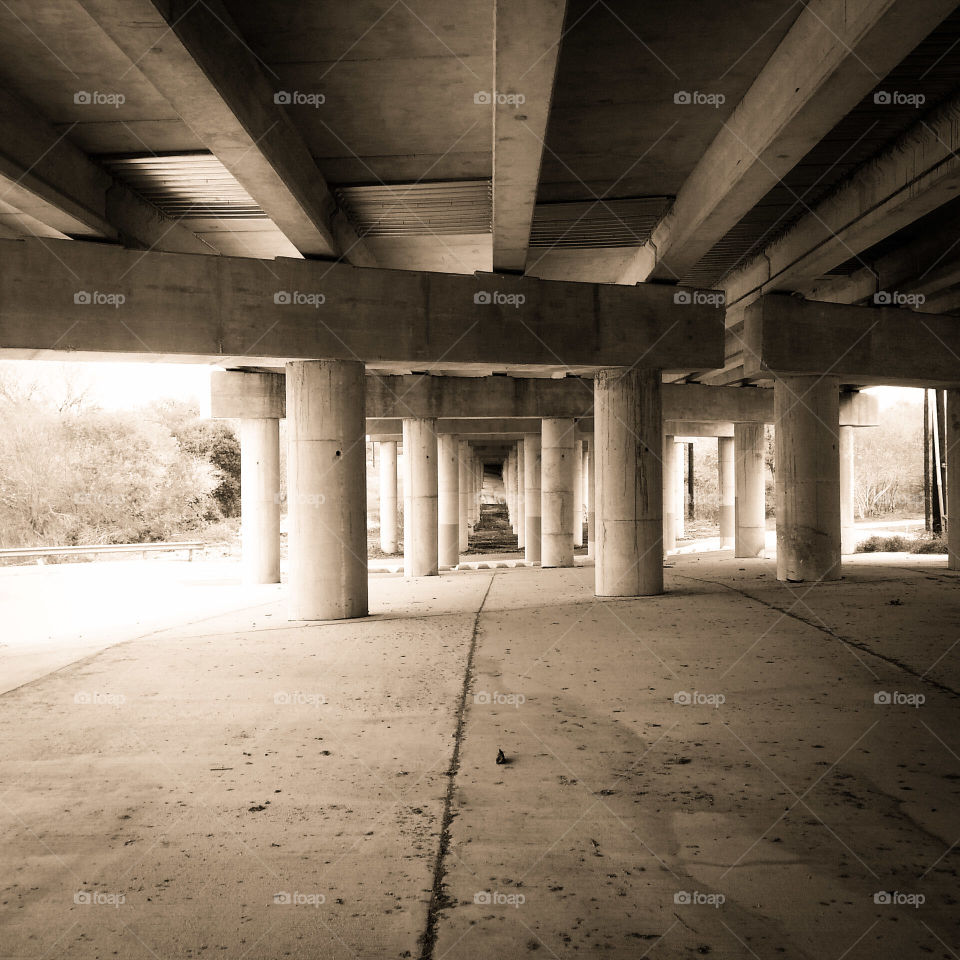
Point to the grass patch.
(898, 544)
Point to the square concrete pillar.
(388, 496)
(953, 479)
(531, 497)
(326, 489)
(578, 493)
(848, 530)
(556, 492)
(726, 486)
(521, 499)
(591, 472)
(420, 510)
(260, 500)
(749, 509)
(464, 517)
(669, 467)
(627, 428)
(448, 500)
(806, 418)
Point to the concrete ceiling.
(301, 107)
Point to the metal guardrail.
(189, 545)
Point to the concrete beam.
(917, 173)
(527, 37)
(231, 312)
(62, 193)
(826, 63)
(194, 55)
(517, 429)
(878, 345)
(924, 264)
(236, 395)
(482, 404)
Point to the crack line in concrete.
(438, 899)
(830, 633)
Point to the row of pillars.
(627, 465)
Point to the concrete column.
(521, 499)
(556, 493)
(464, 479)
(680, 490)
(669, 493)
(388, 496)
(591, 470)
(848, 533)
(326, 489)
(750, 505)
(726, 487)
(953, 479)
(806, 414)
(531, 497)
(448, 500)
(628, 424)
(578, 493)
(260, 500)
(510, 483)
(420, 548)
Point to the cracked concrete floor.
(703, 773)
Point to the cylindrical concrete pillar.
(578, 493)
(464, 478)
(806, 414)
(556, 492)
(726, 488)
(848, 531)
(388, 496)
(591, 470)
(521, 499)
(448, 500)
(326, 489)
(680, 490)
(628, 425)
(953, 479)
(531, 497)
(669, 468)
(260, 500)
(749, 502)
(420, 547)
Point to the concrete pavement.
(720, 744)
